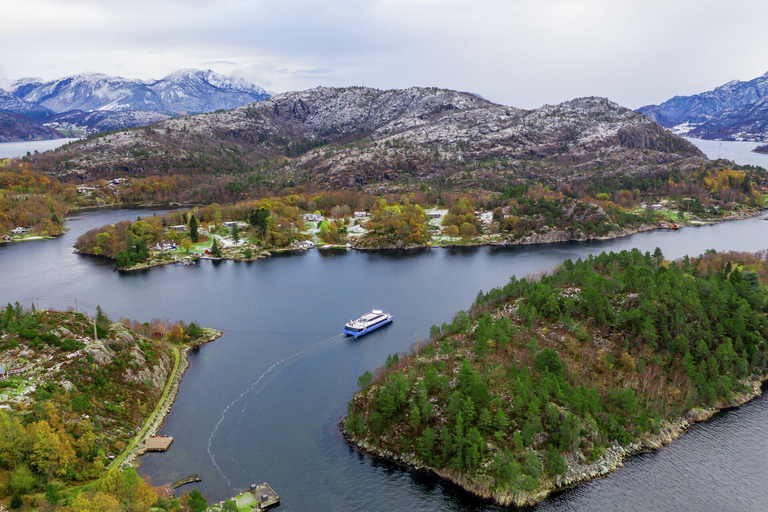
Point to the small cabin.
(313, 217)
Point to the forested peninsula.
(519, 215)
(77, 396)
(549, 382)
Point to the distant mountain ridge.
(18, 127)
(363, 138)
(184, 91)
(98, 102)
(734, 111)
(11, 104)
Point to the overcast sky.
(518, 52)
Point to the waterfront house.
(7, 238)
(19, 230)
(304, 244)
(165, 245)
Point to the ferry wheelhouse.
(367, 323)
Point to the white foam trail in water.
(247, 391)
(253, 396)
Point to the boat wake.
(258, 385)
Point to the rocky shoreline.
(548, 236)
(208, 336)
(578, 471)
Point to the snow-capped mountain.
(736, 110)
(12, 104)
(181, 92)
(98, 102)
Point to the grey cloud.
(313, 71)
(219, 63)
(519, 52)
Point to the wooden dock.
(157, 443)
(189, 480)
(257, 497)
(265, 496)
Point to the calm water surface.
(737, 151)
(262, 403)
(19, 149)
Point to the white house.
(165, 245)
(313, 217)
(85, 189)
(19, 230)
(356, 230)
(180, 228)
(361, 215)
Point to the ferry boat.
(367, 323)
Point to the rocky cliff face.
(736, 110)
(352, 137)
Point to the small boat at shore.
(367, 323)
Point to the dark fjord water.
(262, 403)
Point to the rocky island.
(547, 383)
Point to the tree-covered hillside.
(74, 391)
(544, 377)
